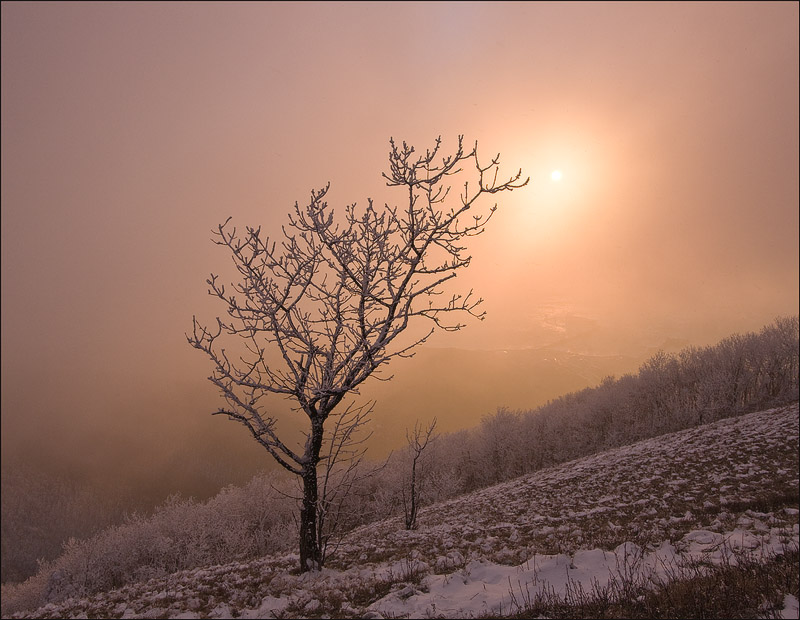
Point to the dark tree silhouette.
(332, 295)
(417, 444)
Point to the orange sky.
(130, 130)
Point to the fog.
(129, 131)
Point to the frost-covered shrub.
(29, 594)
(41, 510)
(239, 523)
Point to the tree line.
(670, 392)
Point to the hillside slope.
(727, 485)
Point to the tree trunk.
(309, 546)
(411, 517)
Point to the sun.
(555, 175)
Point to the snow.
(487, 588)
(270, 607)
(640, 511)
(791, 609)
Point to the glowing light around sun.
(555, 175)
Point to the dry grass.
(743, 587)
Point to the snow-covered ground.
(483, 587)
(637, 511)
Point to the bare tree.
(331, 296)
(417, 443)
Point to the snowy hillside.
(711, 493)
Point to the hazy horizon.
(130, 130)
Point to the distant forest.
(670, 392)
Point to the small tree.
(332, 296)
(417, 443)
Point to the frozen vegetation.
(671, 392)
(612, 526)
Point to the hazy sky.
(130, 130)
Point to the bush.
(239, 523)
